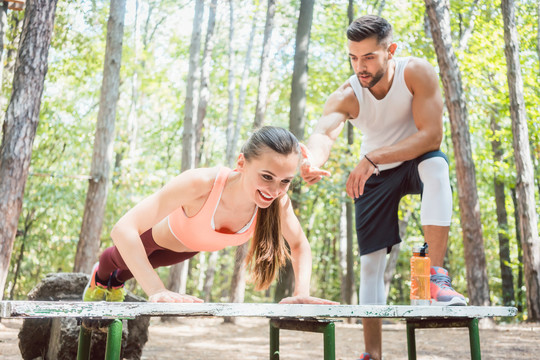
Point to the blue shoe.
(442, 293)
(365, 356)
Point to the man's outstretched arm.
(335, 113)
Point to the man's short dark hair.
(370, 26)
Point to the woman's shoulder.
(197, 182)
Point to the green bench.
(314, 318)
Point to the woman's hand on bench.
(307, 300)
(169, 296)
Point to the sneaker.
(442, 293)
(94, 291)
(115, 293)
(365, 356)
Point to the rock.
(57, 339)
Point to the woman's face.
(268, 176)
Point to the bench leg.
(83, 349)
(327, 328)
(274, 342)
(474, 338)
(411, 341)
(329, 341)
(114, 340)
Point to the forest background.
(243, 76)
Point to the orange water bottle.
(420, 274)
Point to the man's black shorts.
(377, 209)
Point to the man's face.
(369, 60)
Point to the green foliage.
(153, 82)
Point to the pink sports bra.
(198, 232)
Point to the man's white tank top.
(387, 121)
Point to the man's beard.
(374, 78)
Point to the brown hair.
(370, 26)
(268, 251)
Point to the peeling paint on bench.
(109, 310)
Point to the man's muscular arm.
(336, 112)
(427, 108)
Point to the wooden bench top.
(127, 310)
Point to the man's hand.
(169, 296)
(307, 300)
(310, 174)
(358, 177)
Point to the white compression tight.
(436, 206)
(436, 209)
(372, 290)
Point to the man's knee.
(434, 171)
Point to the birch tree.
(475, 259)
(231, 145)
(538, 34)
(264, 71)
(528, 222)
(348, 288)
(502, 218)
(3, 27)
(188, 150)
(238, 278)
(178, 272)
(229, 158)
(204, 90)
(300, 69)
(296, 117)
(96, 197)
(20, 124)
(9, 57)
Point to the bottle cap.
(421, 249)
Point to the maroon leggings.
(111, 259)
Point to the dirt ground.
(210, 338)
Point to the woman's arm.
(300, 256)
(182, 190)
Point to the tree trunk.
(230, 90)
(300, 70)
(524, 171)
(133, 121)
(264, 71)
(20, 124)
(466, 34)
(538, 34)
(231, 146)
(202, 267)
(178, 272)
(238, 281)
(28, 221)
(3, 27)
(349, 205)
(477, 281)
(502, 221)
(345, 252)
(10, 57)
(296, 116)
(188, 144)
(520, 282)
(96, 197)
(204, 92)
(210, 274)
